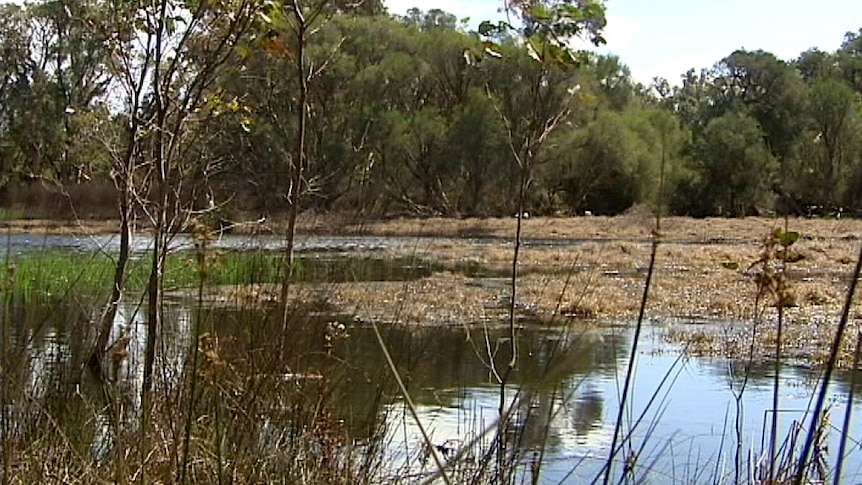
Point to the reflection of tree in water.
(44, 348)
(557, 392)
(587, 412)
(439, 365)
(760, 373)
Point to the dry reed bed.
(631, 226)
(703, 271)
(712, 280)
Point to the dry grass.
(637, 227)
(53, 226)
(704, 271)
(697, 278)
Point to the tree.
(76, 58)
(769, 90)
(477, 140)
(734, 165)
(850, 59)
(694, 101)
(617, 159)
(432, 19)
(529, 119)
(165, 56)
(600, 174)
(814, 65)
(830, 146)
(290, 27)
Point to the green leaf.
(539, 12)
(533, 46)
(487, 28)
(785, 238)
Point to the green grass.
(54, 275)
(12, 213)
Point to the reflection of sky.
(689, 426)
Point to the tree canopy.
(419, 115)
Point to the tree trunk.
(296, 179)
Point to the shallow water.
(567, 381)
(111, 242)
(685, 409)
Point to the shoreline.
(630, 226)
(705, 271)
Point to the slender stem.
(776, 384)
(848, 412)
(802, 465)
(441, 467)
(631, 365)
(633, 355)
(295, 191)
(193, 349)
(4, 364)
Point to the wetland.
(316, 397)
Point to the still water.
(681, 416)
(690, 419)
(685, 409)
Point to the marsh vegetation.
(239, 397)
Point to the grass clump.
(53, 275)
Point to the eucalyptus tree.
(735, 165)
(53, 91)
(23, 100)
(745, 87)
(478, 143)
(598, 172)
(75, 58)
(769, 90)
(532, 104)
(616, 160)
(432, 86)
(693, 101)
(850, 59)
(164, 58)
(288, 32)
(830, 146)
(815, 65)
(612, 81)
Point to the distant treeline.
(414, 115)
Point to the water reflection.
(565, 388)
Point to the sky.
(666, 38)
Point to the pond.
(570, 378)
(690, 419)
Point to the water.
(568, 381)
(565, 395)
(18, 243)
(685, 410)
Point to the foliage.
(734, 164)
(399, 118)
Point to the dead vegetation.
(698, 278)
(593, 269)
